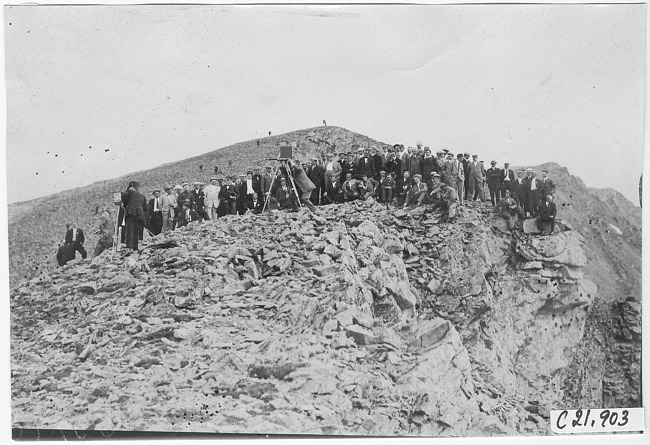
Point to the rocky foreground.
(355, 321)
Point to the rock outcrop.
(357, 320)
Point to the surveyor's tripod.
(281, 163)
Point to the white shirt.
(74, 234)
(249, 186)
(155, 204)
(533, 186)
(330, 166)
(507, 178)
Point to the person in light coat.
(212, 198)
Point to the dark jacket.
(135, 204)
(80, 236)
(365, 165)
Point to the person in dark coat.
(494, 182)
(347, 166)
(547, 214)
(75, 237)
(186, 215)
(365, 166)
(548, 185)
(533, 189)
(507, 180)
(379, 161)
(428, 163)
(520, 193)
(393, 165)
(198, 200)
(401, 189)
(387, 186)
(466, 162)
(285, 196)
(155, 213)
(135, 208)
(228, 197)
(333, 192)
(316, 174)
(303, 183)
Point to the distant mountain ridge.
(36, 227)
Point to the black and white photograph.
(310, 220)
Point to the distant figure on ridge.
(269, 134)
(324, 123)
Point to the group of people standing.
(395, 176)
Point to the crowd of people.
(395, 176)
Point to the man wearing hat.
(439, 161)
(466, 162)
(476, 178)
(393, 165)
(414, 163)
(387, 186)
(507, 180)
(520, 193)
(303, 183)
(534, 189)
(211, 192)
(417, 193)
(174, 203)
(228, 197)
(366, 165)
(247, 193)
(333, 169)
(494, 182)
(198, 200)
(186, 215)
(156, 213)
(264, 187)
(285, 196)
(185, 194)
(169, 203)
(135, 208)
(316, 175)
(347, 166)
(378, 161)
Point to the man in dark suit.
(248, 192)
(520, 193)
(347, 166)
(548, 185)
(546, 220)
(75, 237)
(393, 165)
(315, 174)
(365, 166)
(155, 213)
(378, 161)
(466, 162)
(135, 208)
(186, 215)
(198, 200)
(228, 197)
(533, 188)
(494, 182)
(507, 180)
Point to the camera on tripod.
(286, 152)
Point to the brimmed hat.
(362, 149)
(196, 183)
(314, 159)
(493, 162)
(466, 154)
(382, 172)
(268, 166)
(475, 156)
(529, 170)
(185, 183)
(445, 150)
(168, 187)
(178, 187)
(417, 175)
(156, 190)
(249, 172)
(373, 147)
(134, 184)
(214, 178)
(435, 175)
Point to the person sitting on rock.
(402, 188)
(417, 193)
(450, 198)
(435, 195)
(286, 196)
(387, 187)
(351, 190)
(546, 218)
(186, 215)
(509, 210)
(368, 186)
(333, 191)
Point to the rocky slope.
(37, 227)
(355, 321)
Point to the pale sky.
(96, 92)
